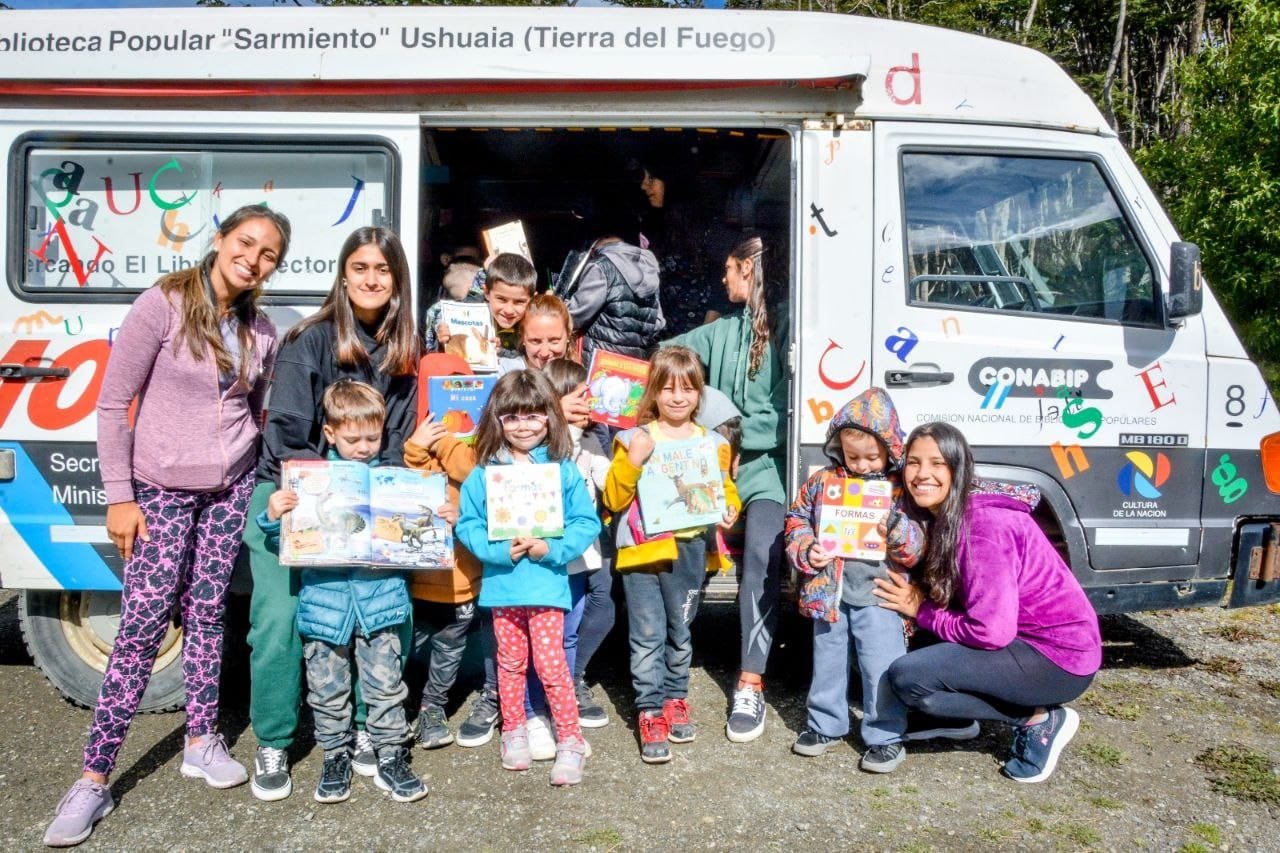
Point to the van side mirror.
(1186, 285)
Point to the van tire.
(69, 636)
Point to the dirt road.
(1185, 699)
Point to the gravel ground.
(1175, 688)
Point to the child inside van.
(344, 606)
(864, 440)
(526, 579)
(662, 573)
(444, 603)
(509, 282)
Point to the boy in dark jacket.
(864, 440)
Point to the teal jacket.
(724, 347)
(529, 582)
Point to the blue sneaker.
(1035, 750)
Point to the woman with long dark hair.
(742, 354)
(363, 331)
(1019, 637)
(193, 353)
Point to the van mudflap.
(1256, 573)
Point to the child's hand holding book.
(534, 549)
(640, 449)
(730, 516)
(281, 502)
(818, 556)
(429, 432)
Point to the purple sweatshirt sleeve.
(133, 354)
(988, 595)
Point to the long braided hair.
(752, 249)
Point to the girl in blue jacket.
(526, 580)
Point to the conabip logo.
(1142, 476)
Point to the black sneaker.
(477, 730)
(433, 728)
(364, 760)
(812, 743)
(591, 714)
(746, 720)
(335, 778)
(921, 726)
(884, 758)
(395, 777)
(271, 780)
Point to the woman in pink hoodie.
(1019, 637)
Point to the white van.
(956, 220)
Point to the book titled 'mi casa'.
(848, 513)
(524, 500)
(457, 401)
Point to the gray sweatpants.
(381, 682)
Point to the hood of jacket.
(638, 267)
(871, 411)
(1016, 496)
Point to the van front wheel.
(69, 636)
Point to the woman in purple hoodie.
(1019, 637)
(193, 352)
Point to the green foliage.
(1221, 181)
(1241, 772)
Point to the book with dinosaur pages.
(457, 401)
(681, 486)
(616, 384)
(470, 334)
(849, 511)
(349, 513)
(508, 237)
(524, 500)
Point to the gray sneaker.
(477, 729)
(433, 728)
(363, 759)
(746, 719)
(883, 758)
(84, 805)
(395, 777)
(591, 714)
(209, 760)
(271, 780)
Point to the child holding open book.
(864, 441)
(662, 572)
(525, 577)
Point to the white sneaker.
(542, 744)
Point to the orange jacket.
(461, 584)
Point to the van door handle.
(917, 378)
(31, 371)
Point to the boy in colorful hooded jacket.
(838, 594)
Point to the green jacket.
(724, 347)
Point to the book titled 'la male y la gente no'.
(681, 486)
(616, 383)
(524, 501)
(849, 510)
(349, 513)
(470, 334)
(457, 401)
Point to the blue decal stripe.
(28, 501)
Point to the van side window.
(1018, 233)
(111, 216)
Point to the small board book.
(681, 486)
(349, 513)
(616, 383)
(470, 334)
(457, 401)
(508, 237)
(848, 513)
(524, 500)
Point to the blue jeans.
(535, 698)
(877, 638)
(661, 607)
(597, 618)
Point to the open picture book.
(351, 514)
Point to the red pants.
(539, 631)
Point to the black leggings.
(951, 680)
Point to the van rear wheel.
(70, 635)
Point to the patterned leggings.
(542, 628)
(194, 540)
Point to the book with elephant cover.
(349, 513)
(457, 401)
(849, 510)
(524, 500)
(681, 486)
(616, 384)
(471, 335)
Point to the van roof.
(894, 70)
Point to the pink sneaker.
(571, 756)
(515, 749)
(84, 805)
(210, 761)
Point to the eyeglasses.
(532, 419)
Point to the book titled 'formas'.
(850, 510)
(524, 501)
